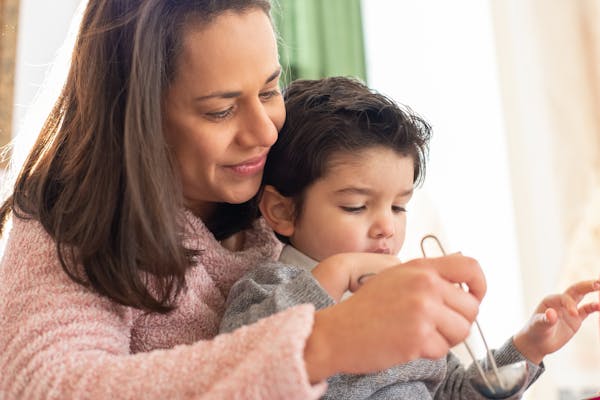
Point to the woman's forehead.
(232, 45)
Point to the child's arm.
(274, 287)
(348, 271)
(269, 289)
(555, 321)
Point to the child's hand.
(348, 271)
(555, 321)
(367, 265)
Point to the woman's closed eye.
(220, 115)
(224, 114)
(268, 95)
(398, 209)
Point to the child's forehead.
(380, 170)
(341, 159)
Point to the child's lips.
(380, 250)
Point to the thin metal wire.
(489, 355)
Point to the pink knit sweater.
(59, 340)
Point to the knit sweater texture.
(60, 340)
(278, 285)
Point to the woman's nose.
(257, 129)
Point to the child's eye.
(269, 94)
(354, 210)
(398, 209)
(219, 115)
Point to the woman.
(129, 227)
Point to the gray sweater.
(276, 286)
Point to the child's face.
(359, 206)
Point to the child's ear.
(277, 210)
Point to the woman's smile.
(249, 167)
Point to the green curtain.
(319, 38)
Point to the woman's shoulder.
(30, 257)
(29, 263)
(25, 236)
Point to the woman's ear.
(278, 211)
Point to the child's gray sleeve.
(456, 385)
(268, 289)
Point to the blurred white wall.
(500, 167)
(438, 58)
(549, 55)
(43, 52)
(44, 40)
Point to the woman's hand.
(348, 271)
(413, 310)
(555, 321)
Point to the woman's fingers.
(454, 321)
(413, 310)
(460, 301)
(447, 308)
(459, 269)
(458, 308)
(436, 346)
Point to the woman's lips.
(250, 167)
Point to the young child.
(338, 180)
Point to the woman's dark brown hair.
(99, 178)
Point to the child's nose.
(383, 226)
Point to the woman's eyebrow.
(231, 95)
(221, 95)
(274, 75)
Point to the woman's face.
(223, 110)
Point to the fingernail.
(597, 285)
(363, 278)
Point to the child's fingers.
(580, 289)
(588, 309)
(550, 316)
(545, 319)
(560, 302)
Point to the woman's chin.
(241, 195)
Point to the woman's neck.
(234, 242)
(202, 210)
(206, 212)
